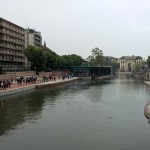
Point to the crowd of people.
(26, 80)
(4, 84)
(19, 81)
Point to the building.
(12, 42)
(45, 48)
(128, 63)
(108, 60)
(33, 38)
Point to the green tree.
(78, 60)
(96, 58)
(90, 59)
(71, 60)
(51, 62)
(137, 68)
(115, 67)
(37, 57)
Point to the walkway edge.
(16, 90)
(147, 82)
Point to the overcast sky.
(118, 27)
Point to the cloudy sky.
(118, 27)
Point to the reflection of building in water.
(128, 63)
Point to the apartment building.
(33, 38)
(108, 60)
(12, 44)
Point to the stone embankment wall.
(17, 90)
(142, 75)
(139, 76)
(147, 76)
(13, 75)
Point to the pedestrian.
(2, 85)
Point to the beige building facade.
(12, 44)
(129, 63)
(33, 38)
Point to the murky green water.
(78, 116)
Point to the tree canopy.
(43, 60)
(96, 58)
(148, 61)
(37, 57)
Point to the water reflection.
(81, 115)
(16, 110)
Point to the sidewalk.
(21, 88)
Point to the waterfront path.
(15, 88)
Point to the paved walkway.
(15, 86)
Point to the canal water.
(84, 115)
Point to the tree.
(71, 60)
(37, 57)
(51, 61)
(115, 67)
(137, 68)
(91, 60)
(96, 58)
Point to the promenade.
(15, 88)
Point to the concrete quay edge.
(16, 90)
(54, 83)
(147, 82)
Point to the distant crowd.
(4, 84)
(26, 80)
(53, 78)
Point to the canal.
(84, 115)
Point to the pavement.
(15, 86)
